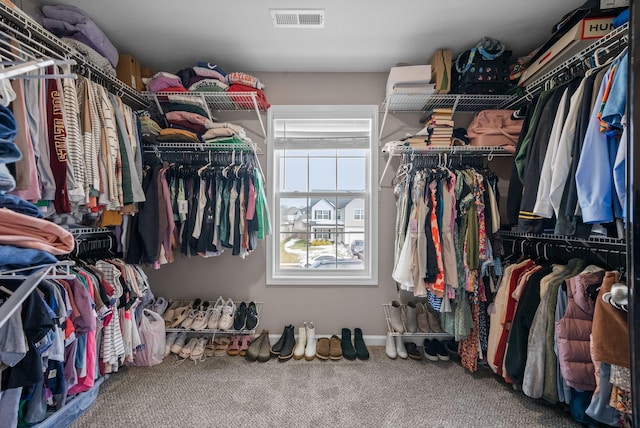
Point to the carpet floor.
(380, 392)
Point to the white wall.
(333, 306)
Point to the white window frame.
(358, 214)
(366, 276)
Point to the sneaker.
(159, 305)
(240, 318)
(430, 350)
(252, 316)
(190, 318)
(212, 323)
(441, 351)
(226, 319)
(413, 351)
(186, 350)
(180, 341)
(200, 322)
(171, 338)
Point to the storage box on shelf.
(387, 313)
(603, 48)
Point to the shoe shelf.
(216, 332)
(387, 314)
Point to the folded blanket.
(162, 81)
(211, 67)
(92, 56)
(184, 107)
(205, 84)
(207, 72)
(30, 232)
(189, 117)
(12, 257)
(73, 22)
(244, 79)
(243, 101)
(218, 132)
(177, 135)
(188, 126)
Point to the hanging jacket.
(573, 332)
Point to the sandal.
(210, 348)
(221, 346)
(179, 315)
(234, 347)
(244, 344)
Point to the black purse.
(483, 69)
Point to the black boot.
(277, 347)
(347, 348)
(361, 348)
(286, 352)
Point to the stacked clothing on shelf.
(570, 156)
(446, 241)
(554, 335)
(207, 77)
(202, 209)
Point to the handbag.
(495, 128)
(483, 69)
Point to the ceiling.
(359, 35)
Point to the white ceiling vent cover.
(297, 18)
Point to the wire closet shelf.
(24, 35)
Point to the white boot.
(298, 351)
(400, 349)
(310, 349)
(390, 347)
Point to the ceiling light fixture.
(297, 18)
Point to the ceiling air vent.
(297, 18)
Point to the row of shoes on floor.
(418, 316)
(308, 346)
(202, 315)
(197, 347)
(434, 350)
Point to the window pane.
(294, 248)
(351, 174)
(293, 175)
(294, 215)
(322, 174)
